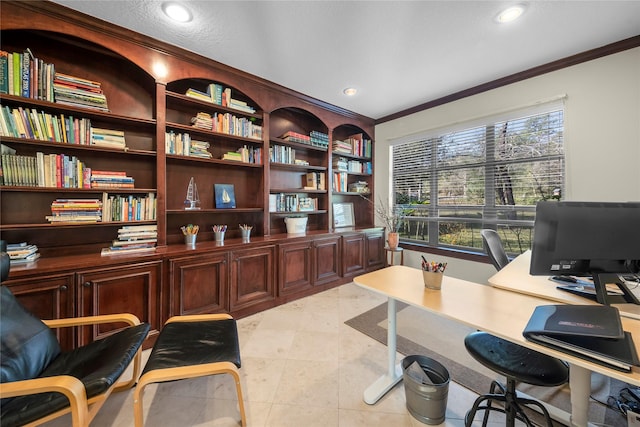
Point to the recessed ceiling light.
(177, 12)
(350, 91)
(510, 14)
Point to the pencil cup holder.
(219, 236)
(246, 235)
(432, 280)
(190, 239)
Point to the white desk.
(500, 312)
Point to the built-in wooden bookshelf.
(149, 107)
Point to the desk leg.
(580, 385)
(394, 372)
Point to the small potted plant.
(393, 218)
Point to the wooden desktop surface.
(515, 277)
(501, 312)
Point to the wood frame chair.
(82, 410)
(221, 357)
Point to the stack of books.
(199, 149)
(111, 179)
(79, 92)
(319, 139)
(132, 239)
(232, 155)
(107, 138)
(75, 211)
(291, 136)
(22, 253)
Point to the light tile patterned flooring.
(301, 367)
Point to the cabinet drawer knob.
(87, 284)
(63, 287)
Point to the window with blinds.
(489, 174)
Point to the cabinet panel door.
(132, 289)
(353, 254)
(199, 284)
(252, 277)
(295, 267)
(375, 250)
(48, 297)
(326, 266)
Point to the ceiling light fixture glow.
(177, 12)
(350, 91)
(510, 14)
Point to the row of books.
(44, 170)
(57, 171)
(181, 144)
(343, 164)
(219, 95)
(244, 154)
(33, 124)
(292, 203)
(228, 124)
(340, 182)
(282, 154)
(314, 181)
(132, 239)
(355, 145)
(79, 92)
(22, 253)
(22, 74)
(116, 207)
(75, 211)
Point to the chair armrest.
(129, 319)
(199, 317)
(71, 387)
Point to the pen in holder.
(190, 233)
(219, 231)
(245, 230)
(432, 273)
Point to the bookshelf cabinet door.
(199, 284)
(48, 297)
(252, 280)
(375, 249)
(294, 272)
(326, 260)
(353, 254)
(126, 289)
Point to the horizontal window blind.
(489, 175)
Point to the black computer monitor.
(597, 239)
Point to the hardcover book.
(593, 332)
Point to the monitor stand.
(600, 281)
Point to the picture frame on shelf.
(343, 215)
(225, 197)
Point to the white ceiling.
(398, 54)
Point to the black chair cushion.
(28, 346)
(195, 343)
(98, 365)
(515, 361)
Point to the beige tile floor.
(301, 367)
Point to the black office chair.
(495, 250)
(515, 362)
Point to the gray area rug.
(423, 333)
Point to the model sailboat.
(192, 201)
